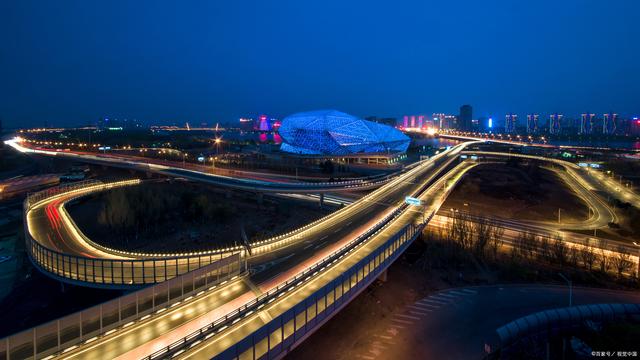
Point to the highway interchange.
(274, 263)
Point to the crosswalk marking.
(432, 301)
(419, 307)
(408, 316)
(447, 295)
(454, 292)
(469, 291)
(419, 312)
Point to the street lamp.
(570, 288)
(638, 270)
(217, 142)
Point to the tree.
(497, 232)
(605, 263)
(622, 260)
(544, 252)
(482, 231)
(559, 250)
(589, 257)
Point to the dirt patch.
(179, 216)
(517, 191)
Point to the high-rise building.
(246, 124)
(264, 123)
(391, 121)
(420, 121)
(609, 123)
(586, 123)
(634, 126)
(532, 123)
(554, 124)
(405, 121)
(438, 120)
(510, 123)
(466, 115)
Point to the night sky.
(72, 62)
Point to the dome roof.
(331, 132)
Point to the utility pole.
(638, 269)
(558, 215)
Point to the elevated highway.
(296, 283)
(233, 179)
(284, 259)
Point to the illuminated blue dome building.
(331, 132)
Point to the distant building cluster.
(119, 124)
(531, 124)
(263, 123)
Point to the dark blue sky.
(71, 62)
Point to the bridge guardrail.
(86, 325)
(278, 335)
(117, 273)
(289, 285)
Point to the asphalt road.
(456, 323)
(275, 267)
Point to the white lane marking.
(424, 307)
(458, 293)
(408, 316)
(443, 299)
(324, 237)
(446, 296)
(383, 336)
(308, 246)
(366, 357)
(469, 291)
(419, 312)
(402, 321)
(436, 302)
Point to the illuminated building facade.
(331, 132)
(586, 123)
(510, 123)
(532, 123)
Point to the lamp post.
(218, 141)
(570, 288)
(638, 269)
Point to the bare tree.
(574, 255)
(559, 250)
(544, 247)
(605, 263)
(496, 241)
(622, 260)
(588, 256)
(482, 232)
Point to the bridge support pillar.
(383, 276)
(321, 200)
(260, 198)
